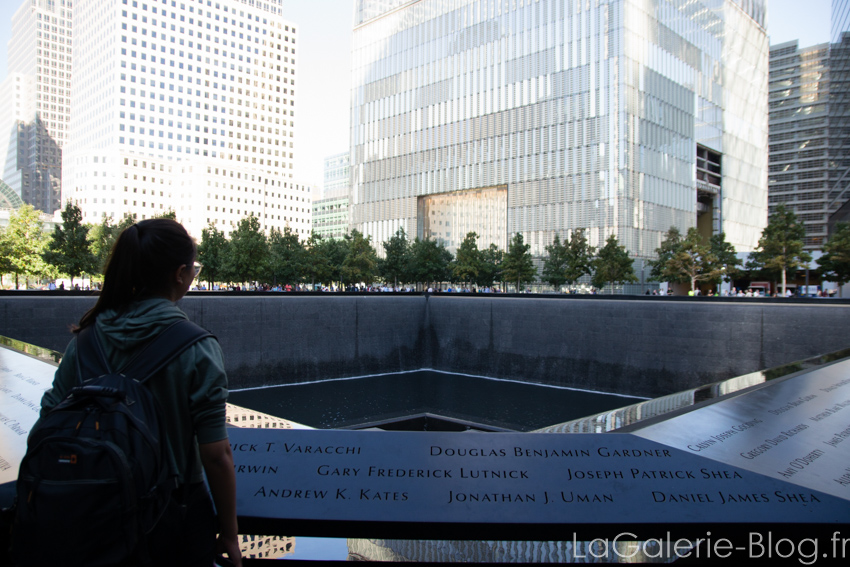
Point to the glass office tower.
(545, 116)
(35, 99)
(800, 136)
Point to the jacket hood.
(141, 322)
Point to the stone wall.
(647, 348)
(638, 347)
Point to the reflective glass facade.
(330, 217)
(799, 135)
(589, 112)
(336, 176)
(449, 217)
(840, 20)
(810, 133)
(330, 213)
(839, 122)
(36, 101)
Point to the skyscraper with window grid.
(810, 128)
(622, 117)
(35, 98)
(186, 106)
(800, 134)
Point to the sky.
(324, 27)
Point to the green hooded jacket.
(192, 391)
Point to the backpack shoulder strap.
(167, 346)
(91, 360)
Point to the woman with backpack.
(151, 267)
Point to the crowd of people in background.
(255, 286)
(446, 288)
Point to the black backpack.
(96, 477)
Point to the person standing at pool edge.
(151, 267)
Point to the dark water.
(497, 403)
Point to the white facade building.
(36, 100)
(186, 106)
(541, 117)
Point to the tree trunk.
(783, 283)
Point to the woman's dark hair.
(140, 264)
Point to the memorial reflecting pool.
(491, 402)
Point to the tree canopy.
(491, 266)
(835, 263)
(68, 248)
(613, 265)
(664, 253)
(780, 248)
(430, 261)
(555, 263)
(517, 263)
(727, 257)
(691, 260)
(102, 238)
(318, 266)
(468, 259)
(212, 253)
(286, 257)
(24, 242)
(566, 263)
(246, 253)
(394, 267)
(361, 262)
(579, 257)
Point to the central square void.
(499, 404)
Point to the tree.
(780, 247)
(429, 261)
(692, 261)
(102, 238)
(579, 257)
(395, 264)
(336, 251)
(318, 266)
(286, 258)
(169, 214)
(555, 263)
(664, 253)
(517, 264)
(361, 261)
(491, 266)
(69, 249)
(247, 252)
(212, 252)
(835, 263)
(727, 257)
(468, 260)
(5, 256)
(128, 221)
(612, 265)
(24, 243)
